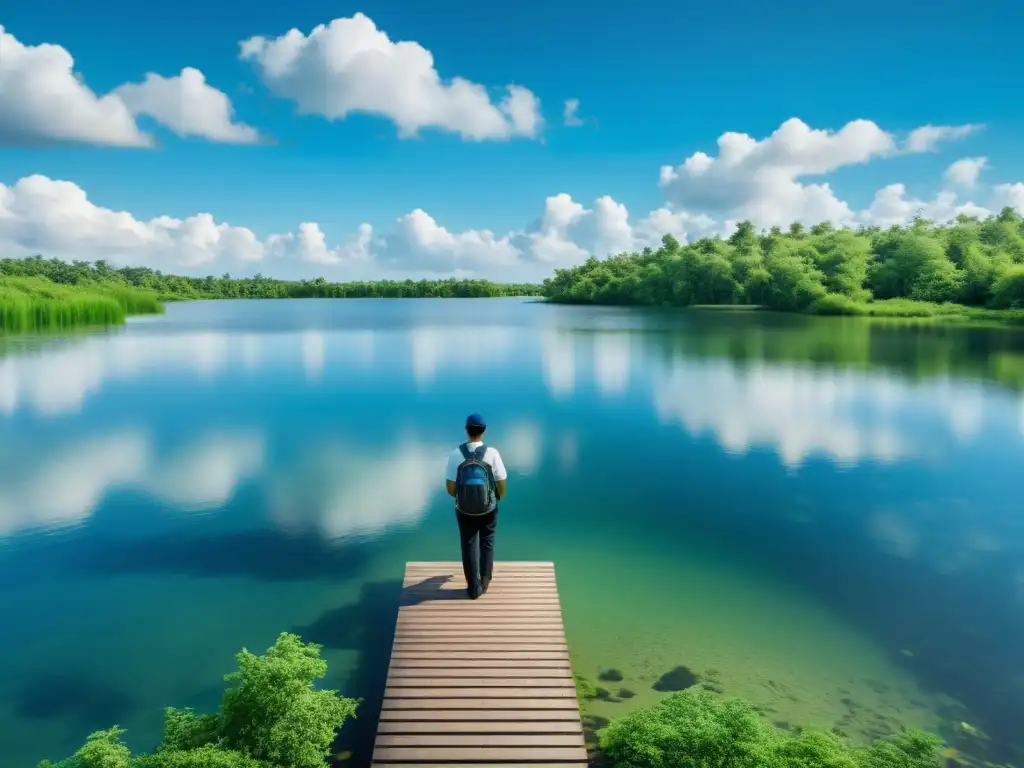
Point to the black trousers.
(477, 535)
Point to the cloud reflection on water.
(64, 488)
(334, 489)
(612, 363)
(799, 412)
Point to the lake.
(822, 515)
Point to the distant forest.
(970, 262)
(176, 287)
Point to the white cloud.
(1009, 195)
(891, 205)
(760, 179)
(756, 179)
(188, 106)
(965, 172)
(45, 101)
(349, 65)
(570, 115)
(928, 137)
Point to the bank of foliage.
(699, 729)
(35, 303)
(172, 287)
(270, 717)
(900, 271)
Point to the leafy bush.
(699, 729)
(270, 717)
(973, 262)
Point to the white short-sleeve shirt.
(491, 456)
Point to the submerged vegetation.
(270, 717)
(695, 728)
(969, 269)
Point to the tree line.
(177, 287)
(971, 262)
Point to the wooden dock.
(484, 682)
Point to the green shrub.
(270, 717)
(699, 729)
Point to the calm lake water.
(826, 514)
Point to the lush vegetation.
(695, 728)
(35, 303)
(271, 716)
(175, 287)
(970, 268)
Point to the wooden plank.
(462, 754)
(480, 670)
(480, 740)
(533, 646)
(474, 665)
(507, 724)
(404, 681)
(509, 702)
(484, 654)
(438, 702)
(479, 692)
(485, 718)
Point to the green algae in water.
(677, 679)
(610, 676)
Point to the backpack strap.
(465, 450)
(480, 452)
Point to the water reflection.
(312, 347)
(337, 490)
(53, 489)
(611, 362)
(558, 356)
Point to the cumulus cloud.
(570, 114)
(187, 105)
(891, 205)
(965, 172)
(760, 180)
(45, 101)
(751, 179)
(349, 65)
(928, 137)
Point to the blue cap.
(476, 420)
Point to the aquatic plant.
(610, 675)
(698, 729)
(270, 716)
(34, 303)
(676, 680)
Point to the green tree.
(271, 711)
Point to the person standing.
(476, 478)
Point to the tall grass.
(909, 309)
(35, 303)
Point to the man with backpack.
(475, 478)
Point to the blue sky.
(656, 82)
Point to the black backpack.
(476, 493)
